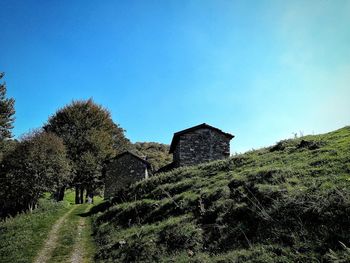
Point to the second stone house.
(199, 144)
(123, 170)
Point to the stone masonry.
(202, 143)
(123, 170)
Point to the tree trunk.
(61, 193)
(30, 208)
(92, 197)
(81, 195)
(89, 195)
(56, 195)
(77, 197)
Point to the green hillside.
(285, 203)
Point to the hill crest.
(290, 201)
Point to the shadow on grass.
(101, 207)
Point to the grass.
(68, 234)
(23, 236)
(286, 203)
(69, 196)
(88, 242)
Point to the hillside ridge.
(289, 201)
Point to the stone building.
(123, 170)
(198, 144)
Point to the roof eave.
(136, 156)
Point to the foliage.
(157, 153)
(340, 256)
(285, 203)
(91, 138)
(6, 147)
(38, 164)
(22, 236)
(7, 111)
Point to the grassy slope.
(22, 237)
(285, 203)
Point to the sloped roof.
(133, 155)
(200, 126)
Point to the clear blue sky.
(258, 69)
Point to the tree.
(6, 147)
(157, 153)
(91, 138)
(38, 164)
(7, 112)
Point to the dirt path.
(50, 243)
(78, 253)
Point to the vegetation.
(68, 235)
(75, 233)
(6, 147)
(157, 153)
(285, 203)
(91, 138)
(71, 150)
(37, 164)
(7, 112)
(23, 236)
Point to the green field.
(285, 203)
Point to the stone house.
(198, 144)
(123, 170)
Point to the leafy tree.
(91, 138)
(6, 147)
(38, 164)
(157, 153)
(7, 112)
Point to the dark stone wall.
(122, 172)
(176, 156)
(202, 145)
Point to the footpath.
(69, 239)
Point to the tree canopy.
(157, 153)
(37, 164)
(7, 112)
(91, 138)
